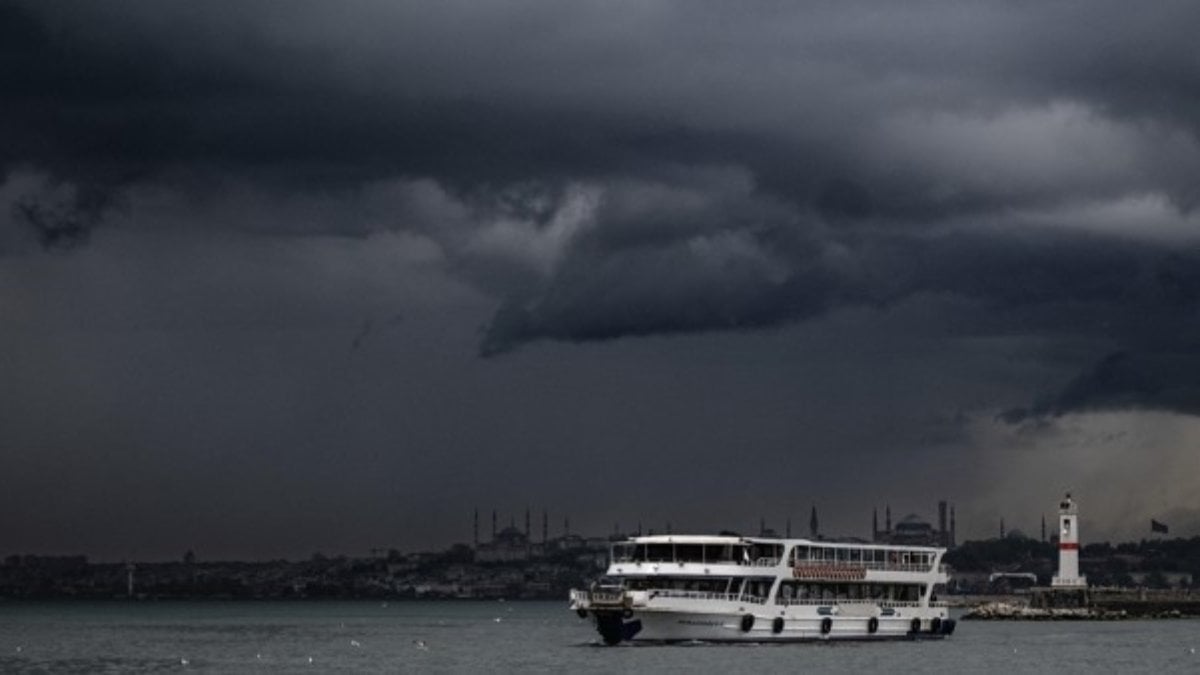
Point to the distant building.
(509, 544)
(912, 530)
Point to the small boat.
(679, 588)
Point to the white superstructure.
(1068, 547)
(729, 588)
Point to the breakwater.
(1090, 604)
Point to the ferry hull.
(658, 626)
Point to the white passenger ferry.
(727, 588)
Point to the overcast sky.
(285, 277)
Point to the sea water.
(477, 637)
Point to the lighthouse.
(1068, 547)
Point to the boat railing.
(886, 566)
(855, 601)
(882, 566)
(702, 595)
(759, 562)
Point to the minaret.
(493, 524)
(788, 529)
(545, 526)
(812, 522)
(476, 527)
(943, 531)
(875, 523)
(527, 532)
(888, 523)
(1001, 527)
(1068, 546)
(953, 529)
(1043, 528)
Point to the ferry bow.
(672, 588)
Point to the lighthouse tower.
(1068, 547)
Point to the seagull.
(183, 662)
(355, 643)
(497, 619)
(421, 644)
(310, 659)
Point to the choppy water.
(371, 637)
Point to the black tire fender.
(872, 625)
(826, 626)
(747, 622)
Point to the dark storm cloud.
(492, 94)
(1033, 281)
(607, 170)
(54, 229)
(1123, 380)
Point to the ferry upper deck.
(769, 552)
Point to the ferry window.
(717, 553)
(658, 552)
(758, 588)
